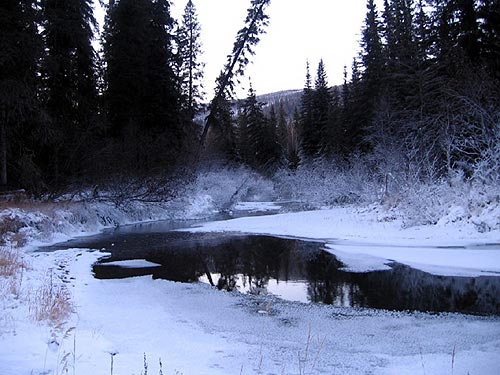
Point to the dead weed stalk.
(52, 301)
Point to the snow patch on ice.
(359, 262)
(132, 263)
(257, 206)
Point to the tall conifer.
(262, 148)
(189, 50)
(322, 102)
(308, 132)
(142, 97)
(69, 77)
(20, 49)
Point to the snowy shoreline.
(226, 332)
(366, 240)
(229, 333)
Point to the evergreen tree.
(281, 129)
(322, 102)
(456, 34)
(273, 118)
(469, 34)
(262, 150)
(142, 97)
(398, 31)
(334, 134)
(372, 55)
(422, 32)
(293, 141)
(246, 39)
(189, 50)
(422, 66)
(489, 12)
(69, 80)
(20, 49)
(354, 118)
(223, 136)
(309, 135)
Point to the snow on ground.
(257, 206)
(118, 325)
(367, 240)
(195, 329)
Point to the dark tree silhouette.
(246, 39)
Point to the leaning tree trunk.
(246, 38)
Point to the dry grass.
(45, 207)
(12, 267)
(51, 302)
(11, 263)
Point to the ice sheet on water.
(132, 263)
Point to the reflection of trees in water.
(326, 284)
(257, 259)
(410, 289)
(181, 267)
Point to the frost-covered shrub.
(487, 168)
(218, 189)
(328, 183)
(450, 201)
(423, 204)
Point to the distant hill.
(289, 98)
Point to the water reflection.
(294, 270)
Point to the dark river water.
(291, 269)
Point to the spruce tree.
(489, 11)
(69, 80)
(20, 49)
(281, 129)
(322, 102)
(308, 130)
(142, 96)
(354, 116)
(293, 141)
(189, 51)
(273, 118)
(262, 150)
(243, 47)
(372, 57)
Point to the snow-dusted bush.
(422, 204)
(487, 168)
(451, 200)
(34, 221)
(219, 188)
(329, 183)
(209, 191)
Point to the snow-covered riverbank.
(367, 239)
(195, 329)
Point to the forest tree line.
(419, 101)
(71, 113)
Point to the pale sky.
(298, 31)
